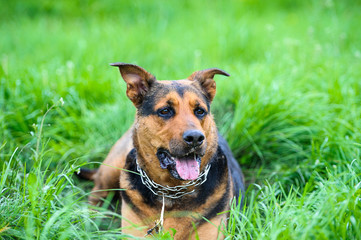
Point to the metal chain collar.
(172, 192)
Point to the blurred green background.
(290, 110)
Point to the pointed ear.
(205, 79)
(138, 80)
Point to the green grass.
(291, 109)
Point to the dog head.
(174, 134)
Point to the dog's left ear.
(205, 79)
(138, 80)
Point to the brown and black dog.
(172, 158)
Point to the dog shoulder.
(234, 168)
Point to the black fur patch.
(234, 168)
(216, 175)
(219, 207)
(180, 89)
(136, 183)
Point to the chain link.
(172, 192)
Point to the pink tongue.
(188, 169)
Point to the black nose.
(193, 138)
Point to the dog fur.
(173, 123)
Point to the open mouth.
(181, 167)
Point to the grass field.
(291, 109)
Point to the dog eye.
(199, 112)
(166, 112)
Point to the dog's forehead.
(161, 90)
(180, 86)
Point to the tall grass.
(290, 110)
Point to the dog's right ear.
(138, 81)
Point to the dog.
(172, 164)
